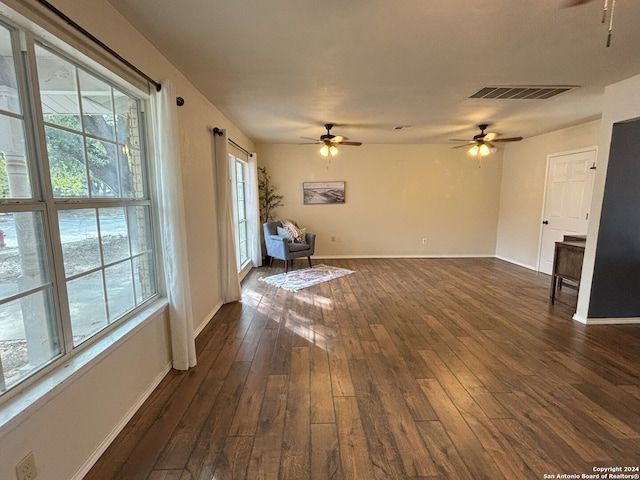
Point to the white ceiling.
(280, 69)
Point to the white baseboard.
(95, 456)
(207, 319)
(346, 257)
(530, 267)
(99, 451)
(607, 321)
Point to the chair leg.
(270, 262)
(286, 266)
(309, 258)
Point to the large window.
(76, 250)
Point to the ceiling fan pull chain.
(613, 6)
(604, 11)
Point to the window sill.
(24, 402)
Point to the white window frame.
(243, 265)
(43, 201)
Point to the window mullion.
(83, 130)
(45, 193)
(234, 203)
(243, 239)
(33, 111)
(3, 384)
(37, 158)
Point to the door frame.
(594, 149)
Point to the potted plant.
(269, 200)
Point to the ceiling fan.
(608, 7)
(483, 143)
(329, 142)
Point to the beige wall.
(396, 195)
(522, 190)
(68, 431)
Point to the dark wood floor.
(407, 369)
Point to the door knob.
(545, 222)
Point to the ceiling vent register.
(522, 92)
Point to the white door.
(567, 200)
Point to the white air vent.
(540, 92)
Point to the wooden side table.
(567, 264)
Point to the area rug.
(307, 277)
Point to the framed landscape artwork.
(322, 193)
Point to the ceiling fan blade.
(330, 140)
(512, 139)
(463, 146)
(312, 139)
(461, 140)
(490, 136)
(574, 3)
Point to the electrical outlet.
(26, 469)
(424, 241)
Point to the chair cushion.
(299, 247)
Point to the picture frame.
(323, 193)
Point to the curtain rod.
(218, 131)
(247, 152)
(98, 42)
(94, 39)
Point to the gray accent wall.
(615, 289)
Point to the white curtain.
(168, 177)
(229, 280)
(253, 213)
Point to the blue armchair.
(282, 248)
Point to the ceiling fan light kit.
(326, 150)
(482, 150)
(329, 142)
(483, 143)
